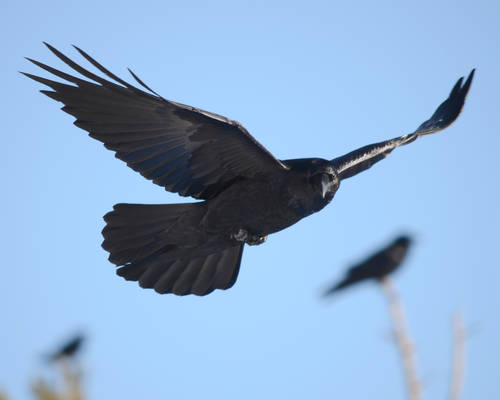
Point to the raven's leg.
(240, 236)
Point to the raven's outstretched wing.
(184, 149)
(361, 159)
(377, 266)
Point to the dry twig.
(403, 340)
(458, 360)
(72, 389)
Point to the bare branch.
(403, 340)
(72, 384)
(458, 360)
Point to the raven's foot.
(252, 240)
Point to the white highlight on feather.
(368, 155)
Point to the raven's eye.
(321, 177)
(316, 179)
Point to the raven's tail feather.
(135, 231)
(162, 247)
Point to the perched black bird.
(248, 194)
(69, 349)
(377, 266)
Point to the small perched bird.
(377, 266)
(247, 193)
(69, 349)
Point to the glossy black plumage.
(248, 193)
(377, 266)
(68, 349)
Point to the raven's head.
(321, 179)
(324, 182)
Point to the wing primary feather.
(104, 70)
(78, 68)
(50, 83)
(468, 82)
(143, 84)
(58, 73)
(107, 72)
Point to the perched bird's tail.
(163, 247)
(339, 286)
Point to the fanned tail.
(162, 247)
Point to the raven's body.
(248, 194)
(377, 266)
(68, 349)
(266, 205)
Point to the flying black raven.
(68, 349)
(248, 194)
(377, 266)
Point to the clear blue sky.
(307, 79)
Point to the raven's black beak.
(325, 185)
